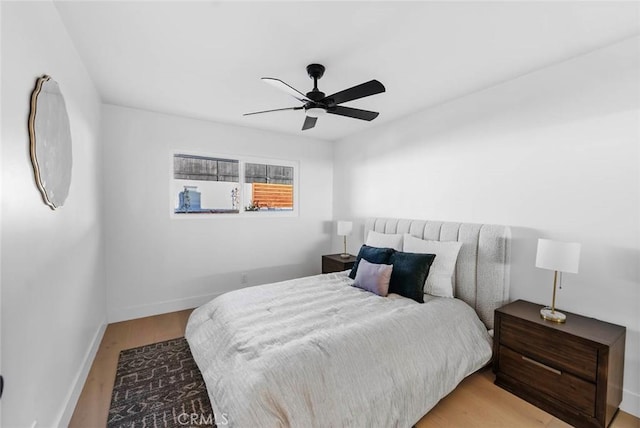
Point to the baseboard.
(631, 402)
(157, 308)
(81, 377)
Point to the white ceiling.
(205, 59)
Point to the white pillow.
(440, 279)
(384, 240)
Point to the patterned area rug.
(159, 386)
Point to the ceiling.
(205, 59)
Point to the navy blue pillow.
(379, 256)
(409, 273)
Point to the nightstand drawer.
(560, 385)
(553, 348)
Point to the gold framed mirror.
(50, 142)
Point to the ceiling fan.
(316, 104)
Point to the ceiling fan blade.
(277, 83)
(353, 112)
(277, 109)
(309, 122)
(371, 87)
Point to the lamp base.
(551, 315)
(345, 255)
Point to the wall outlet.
(244, 278)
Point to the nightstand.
(573, 370)
(335, 263)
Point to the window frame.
(242, 160)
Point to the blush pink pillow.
(373, 277)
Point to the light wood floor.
(475, 403)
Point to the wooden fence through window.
(272, 195)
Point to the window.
(268, 187)
(204, 185)
(216, 185)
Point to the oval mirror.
(50, 136)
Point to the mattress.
(318, 352)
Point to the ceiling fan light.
(315, 112)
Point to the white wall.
(53, 295)
(156, 263)
(554, 154)
(0, 222)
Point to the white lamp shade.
(344, 227)
(556, 255)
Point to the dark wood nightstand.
(573, 370)
(335, 263)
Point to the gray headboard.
(482, 269)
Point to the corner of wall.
(631, 402)
(81, 377)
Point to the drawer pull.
(544, 366)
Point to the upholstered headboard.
(482, 269)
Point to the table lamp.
(344, 229)
(558, 257)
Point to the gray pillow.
(373, 277)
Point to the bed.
(318, 352)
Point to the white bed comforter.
(316, 352)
